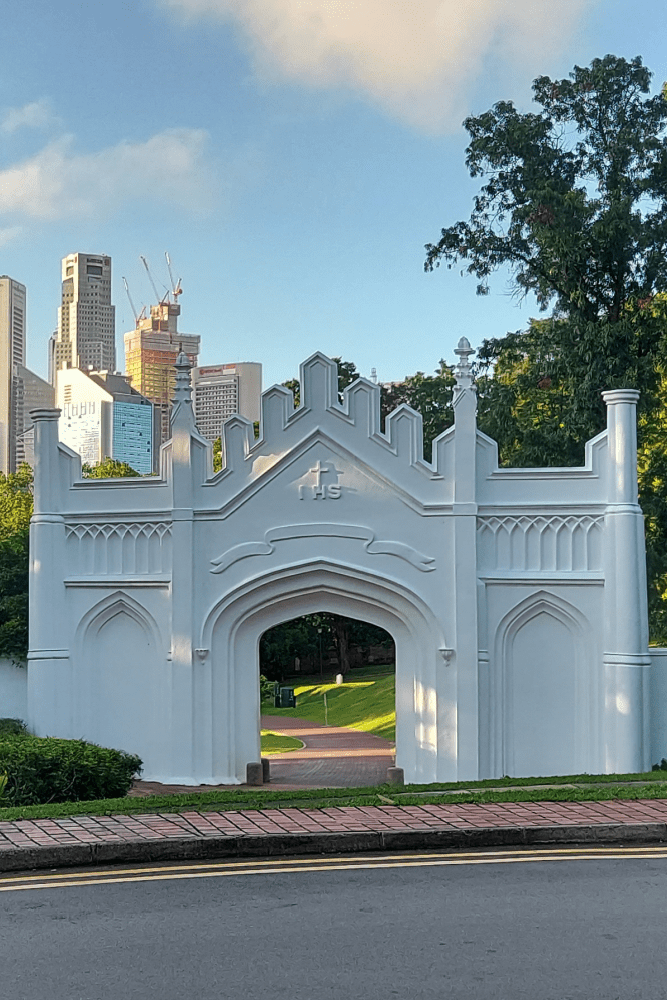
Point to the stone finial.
(463, 370)
(182, 398)
(183, 386)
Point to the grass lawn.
(366, 701)
(276, 743)
(568, 788)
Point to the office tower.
(32, 393)
(12, 353)
(105, 417)
(150, 355)
(86, 334)
(221, 390)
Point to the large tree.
(430, 395)
(574, 206)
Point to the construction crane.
(137, 316)
(158, 299)
(176, 289)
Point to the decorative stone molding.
(536, 575)
(132, 548)
(541, 542)
(291, 531)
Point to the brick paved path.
(197, 825)
(332, 757)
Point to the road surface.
(540, 925)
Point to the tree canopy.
(574, 205)
(430, 395)
(110, 468)
(575, 197)
(347, 373)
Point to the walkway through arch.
(235, 628)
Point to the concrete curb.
(286, 844)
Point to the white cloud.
(418, 59)
(37, 114)
(58, 183)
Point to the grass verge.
(567, 788)
(277, 743)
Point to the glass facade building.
(133, 435)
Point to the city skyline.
(294, 168)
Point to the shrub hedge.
(42, 770)
(13, 727)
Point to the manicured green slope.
(277, 743)
(367, 704)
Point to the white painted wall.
(658, 703)
(516, 597)
(13, 690)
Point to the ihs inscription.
(319, 490)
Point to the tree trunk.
(341, 634)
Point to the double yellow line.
(155, 873)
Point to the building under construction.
(151, 350)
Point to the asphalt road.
(544, 926)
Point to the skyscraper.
(150, 355)
(32, 393)
(12, 353)
(86, 334)
(222, 390)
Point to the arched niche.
(543, 689)
(117, 690)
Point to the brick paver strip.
(194, 826)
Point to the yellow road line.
(228, 869)
(338, 859)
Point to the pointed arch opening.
(425, 742)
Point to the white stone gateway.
(516, 597)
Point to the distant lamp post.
(319, 635)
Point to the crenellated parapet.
(516, 597)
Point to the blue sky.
(293, 156)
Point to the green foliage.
(15, 513)
(14, 574)
(52, 770)
(12, 727)
(347, 374)
(430, 395)
(110, 468)
(305, 637)
(575, 204)
(15, 502)
(265, 688)
(217, 454)
(280, 645)
(662, 766)
(574, 201)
